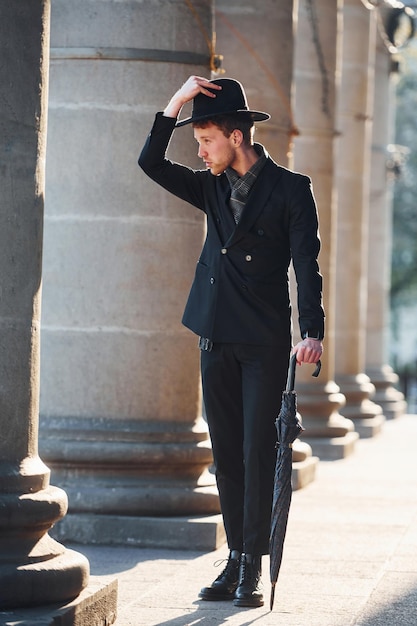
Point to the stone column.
(265, 70)
(317, 59)
(34, 569)
(120, 403)
(267, 75)
(379, 371)
(353, 182)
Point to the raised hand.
(189, 90)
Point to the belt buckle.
(205, 344)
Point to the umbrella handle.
(291, 372)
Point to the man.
(259, 217)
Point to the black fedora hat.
(230, 100)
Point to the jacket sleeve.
(305, 248)
(182, 181)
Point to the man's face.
(217, 151)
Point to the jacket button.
(244, 287)
(261, 232)
(212, 280)
(248, 257)
(224, 250)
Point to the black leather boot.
(224, 587)
(250, 588)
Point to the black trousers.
(242, 390)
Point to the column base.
(303, 465)
(330, 435)
(57, 579)
(180, 533)
(128, 468)
(304, 472)
(95, 606)
(369, 427)
(34, 568)
(386, 395)
(334, 448)
(366, 415)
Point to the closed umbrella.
(288, 427)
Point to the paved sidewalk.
(350, 556)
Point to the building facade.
(121, 421)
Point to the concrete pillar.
(267, 74)
(379, 371)
(329, 433)
(120, 402)
(353, 180)
(265, 70)
(34, 569)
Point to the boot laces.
(248, 572)
(229, 572)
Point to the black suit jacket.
(240, 291)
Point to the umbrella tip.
(271, 601)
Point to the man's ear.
(237, 137)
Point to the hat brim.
(257, 116)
